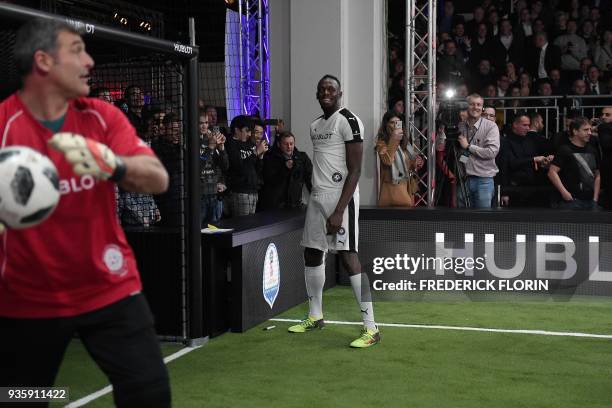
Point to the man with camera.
(479, 141)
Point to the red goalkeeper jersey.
(78, 260)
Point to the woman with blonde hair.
(398, 181)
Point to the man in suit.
(544, 58)
(594, 85)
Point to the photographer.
(286, 171)
(479, 141)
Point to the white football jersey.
(329, 152)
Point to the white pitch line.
(460, 328)
(109, 388)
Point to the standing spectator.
(525, 83)
(75, 273)
(522, 167)
(211, 113)
(398, 181)
(574, 172)
(102, 94)
(603, 52)
(585, 64)
(286, 171)
(134, 99)
(213, 166)
(604, 131)
(545, 57)
(579, 88)
(169, 149)
(479, 140)
(463, 42)
(244, 167)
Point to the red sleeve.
(120, 135)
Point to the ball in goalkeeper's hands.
(88, 156)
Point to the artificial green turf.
(411, 367)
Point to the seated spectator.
(398, 181)
(451, 66)
(588, 33)
(286, 171)
(244, 167)
(594, 85)
(573, 47)
(574, 172)
(525, 83)
(585, 64)
(503, 84)
(544, 92)
(213, 166)
(602, 54)
(489, 112)
(471, 27)
(396, 104)
(464, 44)
(579, 89)
(483, 76)
(511, 73)
(525, 22)
(522, 168)
(482, 47)
(558, 86)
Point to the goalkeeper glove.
(88, 156)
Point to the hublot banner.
(406, 259)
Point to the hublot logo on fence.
(184, 49)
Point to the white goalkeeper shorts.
(320, 207)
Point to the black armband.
(120, 170)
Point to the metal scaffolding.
(254, 57)
(421, 88)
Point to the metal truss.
(254, 57)
(421, 88)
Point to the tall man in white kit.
(333, 209)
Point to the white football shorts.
(320, 207)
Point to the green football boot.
(307, 324)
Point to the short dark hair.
(283, 135)
(170, 117)
(333, 78)
(240, 122)
(577, 123)
(489, 106)
(519, 116)
(98, 91)
(39, 34)
(130, 89)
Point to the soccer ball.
(29, 187)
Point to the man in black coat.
(538, 66)
(285, 171)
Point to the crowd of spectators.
(241, 169)
(544, 70)
(497, 50)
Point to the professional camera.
(448, 115)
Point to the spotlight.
(449, 93)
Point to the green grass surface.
(410, 368)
